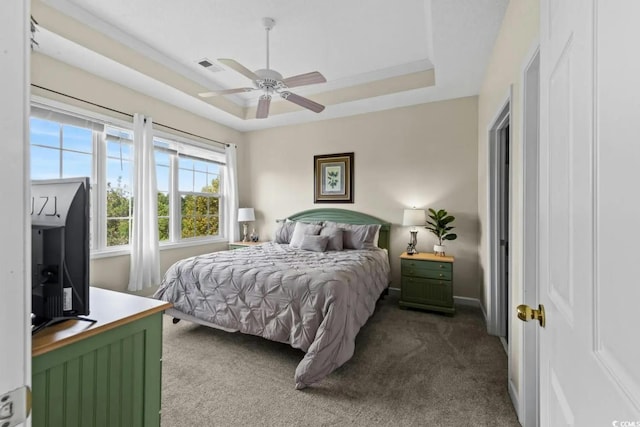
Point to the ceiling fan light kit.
(271, 82)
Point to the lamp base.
(411, 249)
(245, 238)
(413, 241)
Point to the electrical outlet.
(15, 407)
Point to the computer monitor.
(60, 250)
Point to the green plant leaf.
(450, 237)
(447, 220)
(432, 212)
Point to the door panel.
(560, 169)
(15, 292)
(589, 205)
(617, 154)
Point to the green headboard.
(347, 217)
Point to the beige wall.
(423, 156)
(517, 38)
(113, 272)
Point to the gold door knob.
(526, 313)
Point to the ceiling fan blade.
(263, 107)
(234, 65)
(225, 92)
(304, 79)
(303, 102)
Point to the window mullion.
(174, 200)
(61, 133)
(100, 161)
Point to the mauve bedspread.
(315, 301)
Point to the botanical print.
(333, 179)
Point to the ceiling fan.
(271, 82)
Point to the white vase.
(439, 250)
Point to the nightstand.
(427, 282)
(238, 245)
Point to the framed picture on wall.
(333, 178)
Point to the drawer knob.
(441, 275)
(441, 266)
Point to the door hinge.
(15, 406)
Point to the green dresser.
(105, 374)
(427, 282)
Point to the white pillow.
(301, 229)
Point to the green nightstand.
(427, 282)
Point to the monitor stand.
(38, 324)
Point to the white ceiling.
(351, 42)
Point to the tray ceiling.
(375, 55)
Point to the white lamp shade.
(246, 214)
(413, 217)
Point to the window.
(189, 191)
(199, 186)
(188, 177)
(59, 150)
(119, 186)
(64, 147)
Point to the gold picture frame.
(333, 178)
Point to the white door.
(589, 268)
(15, 292)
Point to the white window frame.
(99, 195)
(175, 213)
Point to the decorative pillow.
(314, 243)
(335, 237)
(284, 231)
(376, 238)
(358, 236)
(300, 230)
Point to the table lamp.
(413, 217)
(245, 215)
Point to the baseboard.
(469, 302)
(394, 292)
(513, 394)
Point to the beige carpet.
(410, 368)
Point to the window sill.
(195, 242)
(108, 253)
(126, 251)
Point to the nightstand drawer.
(428, 265)
(426, 273)
(427, 291)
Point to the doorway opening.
(499, 215)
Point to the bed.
(293, 290)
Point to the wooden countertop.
(111, 309)
(427, 256)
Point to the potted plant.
(439, 223)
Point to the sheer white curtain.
(231, 193)
(145, 252)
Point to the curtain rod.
(127, 114)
